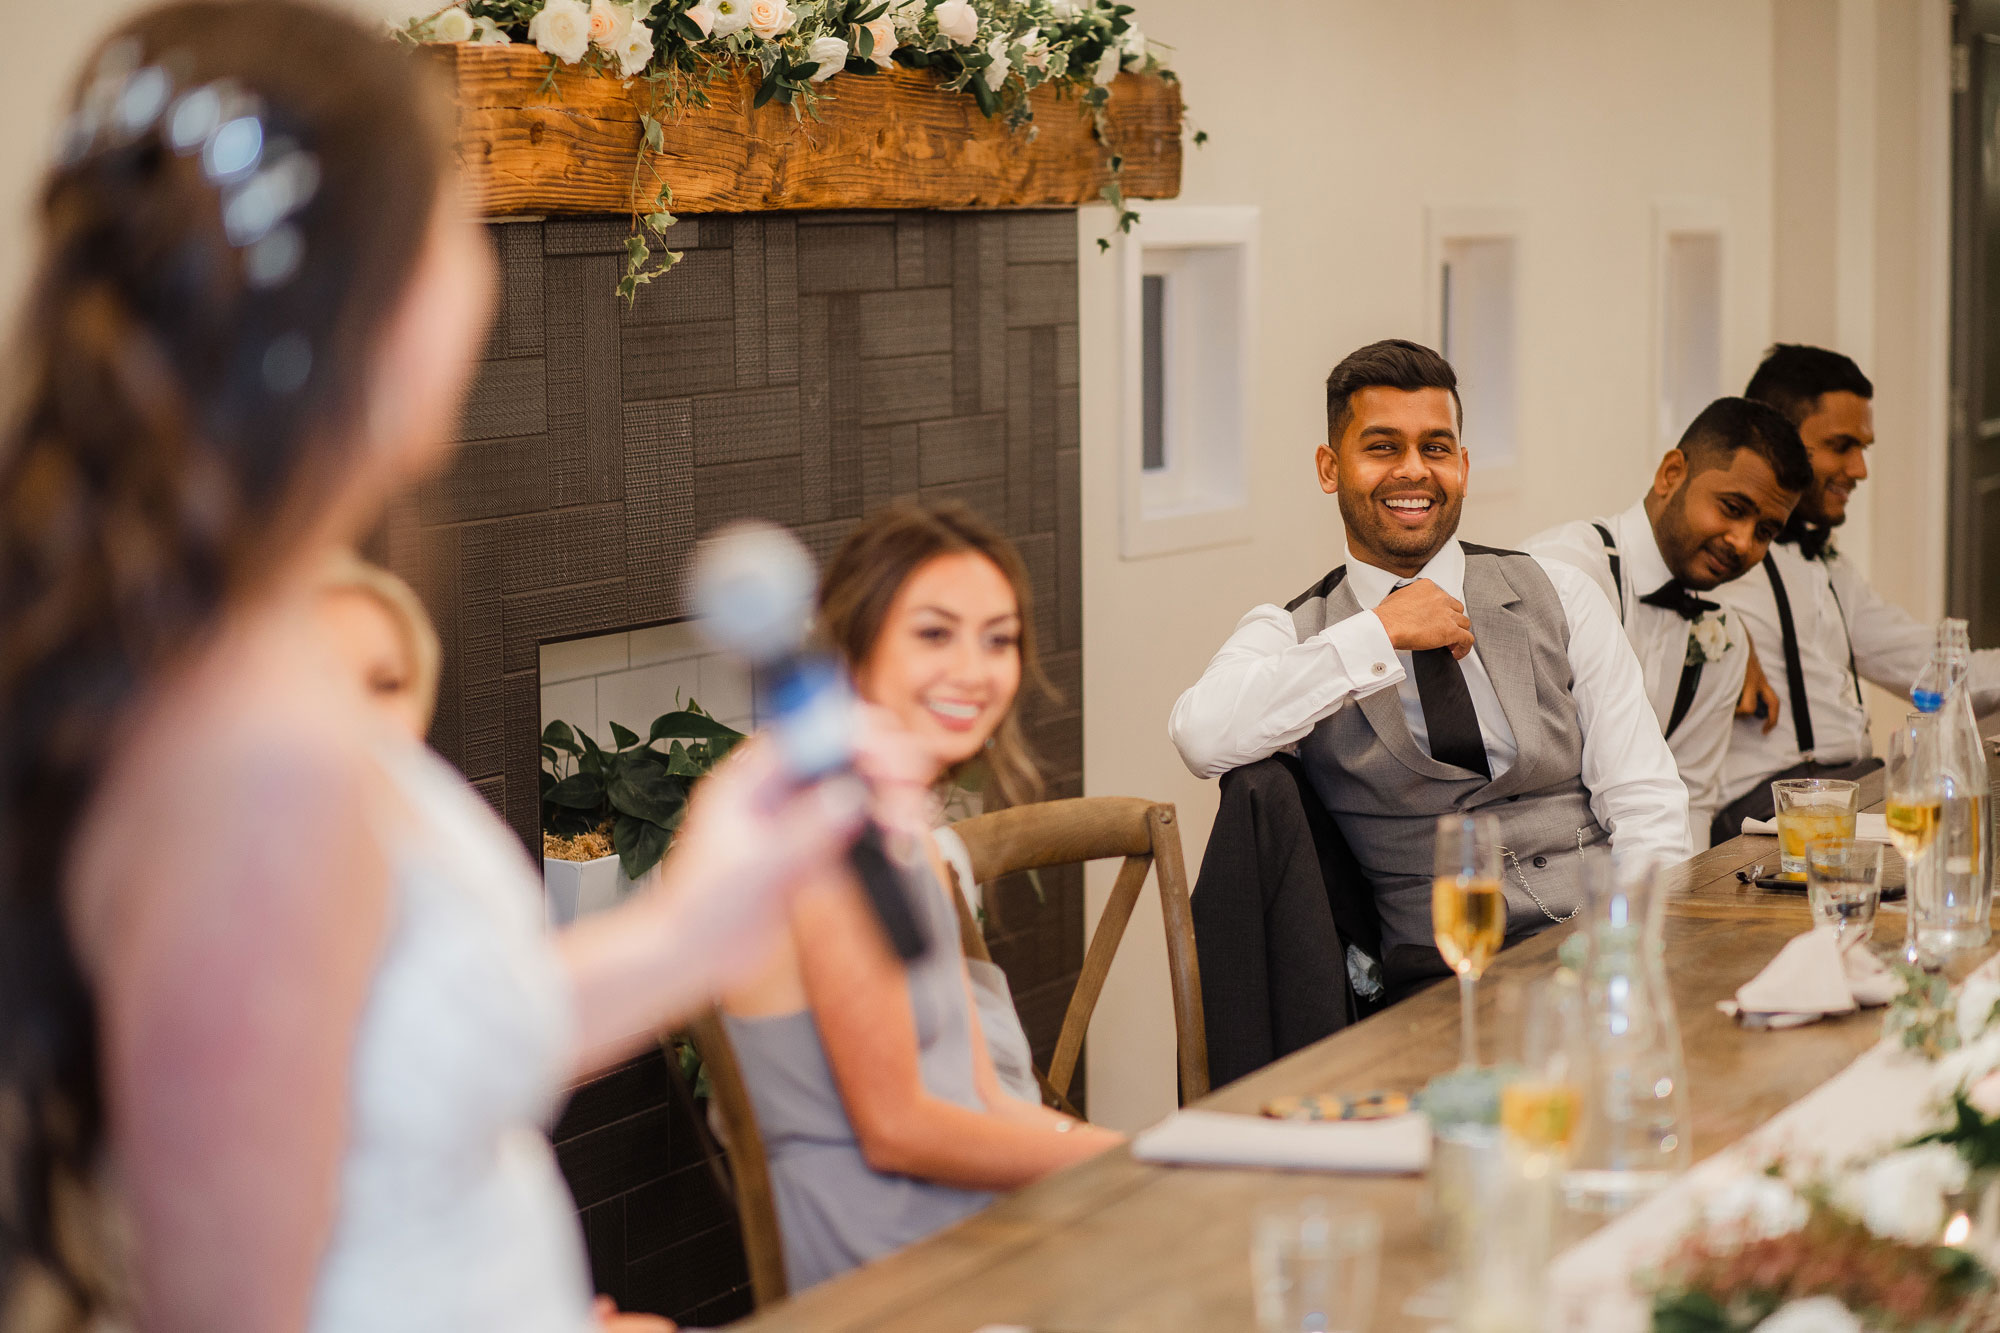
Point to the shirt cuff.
(1365, 653)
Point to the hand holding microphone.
(753, 588)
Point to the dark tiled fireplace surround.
(805, 368)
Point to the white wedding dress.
(452, 1215)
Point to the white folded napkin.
(1399, 1145)
(1867, 827)
(1811, 978)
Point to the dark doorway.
(1973, 588)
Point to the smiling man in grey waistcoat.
(1428, 676)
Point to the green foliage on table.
(1923, 1017)
(640, 788)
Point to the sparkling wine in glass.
(1468, 912)
(1912, 808)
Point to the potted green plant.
(609, 815)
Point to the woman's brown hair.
(860, 583)
(233, 218)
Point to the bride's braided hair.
(182, 391)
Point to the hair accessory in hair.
(263, 180)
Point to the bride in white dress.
(271, 975)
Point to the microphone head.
(753, 589)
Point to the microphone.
(753, 588)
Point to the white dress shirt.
(1264, 690)
(1660, 639)
(1834, 611)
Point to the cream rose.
(608, 24)
(453, 25)
(1107, 67)
(730, 16)
(1065, 10)
(831, 55)
(770, 18)
(562, 29)
(703, 16)
(957, 21)
(883, 31)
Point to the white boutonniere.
(1708, 639)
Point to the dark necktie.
(1448, 711)
(1674, 596)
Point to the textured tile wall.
(801, 368)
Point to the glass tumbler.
(1313, 1268)
(1809, 809)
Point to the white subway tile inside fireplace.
(633, 676)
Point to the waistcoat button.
(1541, 863)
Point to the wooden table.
(1117, 1245)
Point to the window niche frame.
(1162, 512)
(1445, 225)
(1676, 218)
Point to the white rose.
(883, 31)
(1132, 46)
(1107, 67)
(609, 23)
(730, 16)
(957, 21)
(1816, 1314)
(1901, 1196)
(635, 50)
(1757, 1207)
(702, 15)
(1711, 636)
(562, 29)
(1976, 1000)
(488, 33)
(831, 53)
(996, 73)
(769, 18)
(1065, 10)
(453, 25)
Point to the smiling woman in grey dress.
(873, 1084)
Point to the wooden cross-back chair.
(1095, 828)
(749, 1166)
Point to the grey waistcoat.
(1386, 793)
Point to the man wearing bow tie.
(1717, 500)
(1422, 677)
(1819, 629)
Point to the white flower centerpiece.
(994, 51)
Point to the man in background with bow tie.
(1422, 677)
(1717, 500)
(1818, 628)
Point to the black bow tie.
(1674, 596)
(1810, 538)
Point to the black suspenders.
(1690, 671)
(1795, 676)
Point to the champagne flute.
(1913, 803)
(1468, 912)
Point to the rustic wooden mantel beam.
(892, 140)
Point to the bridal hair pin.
(263, 180)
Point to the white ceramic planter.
(578, 888)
